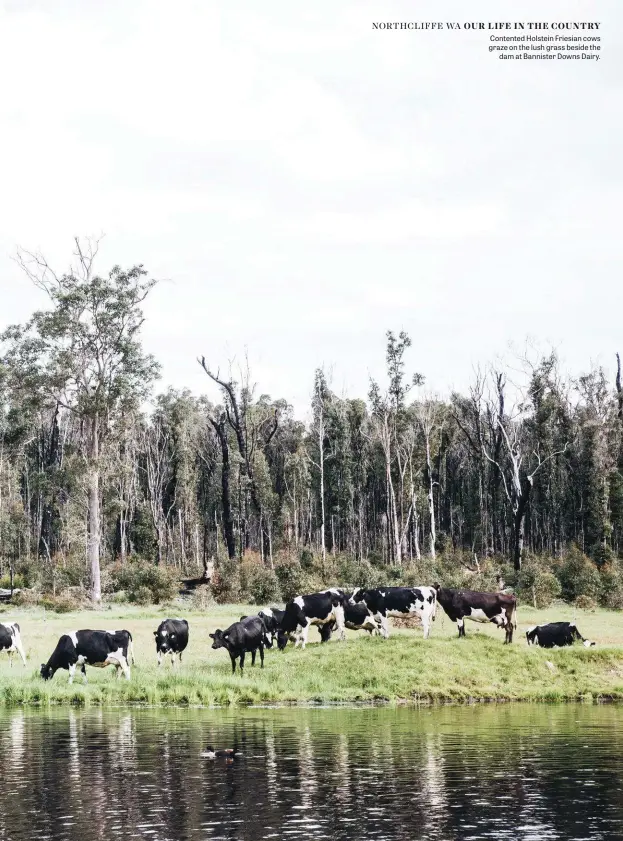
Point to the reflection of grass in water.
(403, 668)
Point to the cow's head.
(46, 671)
(219, 640)
(282, 639)
(356, 596)
(587, 643)
(164, 640)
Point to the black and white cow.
(171, 638)
(272, 618)
(499, 608)
(124, 638)
(326, 608)
(399, 601)
(556, 635)
(357, 617)
(248, 635)
(11, 640)
(80, 648)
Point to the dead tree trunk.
(228, 519)
(93, 503)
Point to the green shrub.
(354, 573)
(535, 584)
(307, 560)
(579, 576)
(264, 587)
(144, 583)
(18, 582)
(226, 584)
(612, 586)
(585, 603)
(294, 581)
(60, 604)
(202, 598)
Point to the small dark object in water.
(226, 753)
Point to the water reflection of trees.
(397, 774)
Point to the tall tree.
(85, 355)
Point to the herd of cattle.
(331, 610)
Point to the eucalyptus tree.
(84, 354)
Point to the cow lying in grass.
(556, 635)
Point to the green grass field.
(403, 669)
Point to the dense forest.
(525, 462)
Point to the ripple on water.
(501, 773)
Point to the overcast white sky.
(302, 183)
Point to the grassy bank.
(404, 668)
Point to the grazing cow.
(80, 648)
(326, 608)
(357, 617)
(556, 635)
(248, 635)
(399, 601)
(11, 640)
(171, 638)
(499, 608)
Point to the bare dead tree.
(252, 433)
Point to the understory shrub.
(225, 584)
(535, 584)
(579, 576)
(585, 603)
(612, 585)
(144, 583)
(293, 581)
(61, 604)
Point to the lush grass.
(404, 668)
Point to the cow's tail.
(131, 660)
(434, 594)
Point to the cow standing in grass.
(246, 636)
(326, 608)
(80, 648)
(171, 638)
(499, 608)
(384, 602)
(11, 640)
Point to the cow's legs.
(72, 670)
(233, 663)
(160, 658)
(241, 661)
(261, 656)
(509, 632)
(172, 659)
(20, 651)
(253, 653)
(302, 636)
(461, 626)
(338, 612)
(384, 626)
(180, 656)
(426, 626)
(118, 660)
(84, 673)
